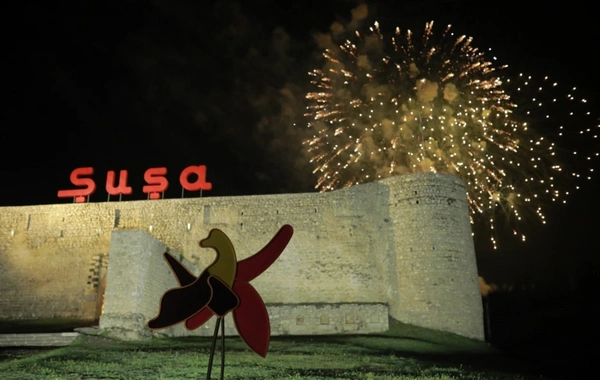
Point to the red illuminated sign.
(156, 182)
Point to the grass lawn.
(405, 352)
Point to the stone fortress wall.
(404, 242)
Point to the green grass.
(404, 353)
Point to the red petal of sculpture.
(250, 268)
(251, 318)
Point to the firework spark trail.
(385, 106)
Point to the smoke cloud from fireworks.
(389, 103)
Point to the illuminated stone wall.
(404, 242)
(435, 268)
(138, 276)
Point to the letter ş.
(156, 182)
(80, 194)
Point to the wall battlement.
(405, 242)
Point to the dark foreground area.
(404, 353)
(554, 330)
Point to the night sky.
(134, 85)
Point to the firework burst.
(392, 105)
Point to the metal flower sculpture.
(223, 287)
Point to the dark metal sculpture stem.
(212, 349)
(223, 349)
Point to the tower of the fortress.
(435, 257)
